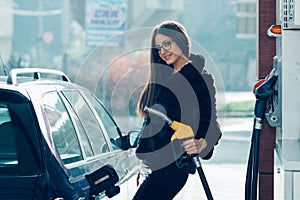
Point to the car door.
(98, 123)
(127, 160)
(67, 142)
(21, 163)
(96, 127)
(99, 128)
(81, 135)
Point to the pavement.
(226, 182)
(226, 171)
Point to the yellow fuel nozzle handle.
(182, 131)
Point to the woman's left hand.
(194, 146)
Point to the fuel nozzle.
(182, 131)
(265, 87)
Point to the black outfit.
(162, 184)
(185, 97)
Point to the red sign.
(48, 37)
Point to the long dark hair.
(179, 35)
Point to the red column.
(266, 52)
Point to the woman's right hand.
(194, 146)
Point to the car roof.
(24, 80)
(35, 74)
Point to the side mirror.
(127, 141)
(103, 179)
(134, 137)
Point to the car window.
(110, 125)
(88, 120)
(8, 142)
(83, 138)
(19, 140)
(63, 131)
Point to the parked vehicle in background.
(57, 140)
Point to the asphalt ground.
(226, 171)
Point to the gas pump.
(283, 108)
(263, 93)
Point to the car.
(57, 141)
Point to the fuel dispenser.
(287, 151)
(283, 108)
(287, 115)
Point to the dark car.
(57, 141)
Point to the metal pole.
(65, 35)
(40, 33)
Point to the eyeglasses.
(166, 45)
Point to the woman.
(177, 86)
